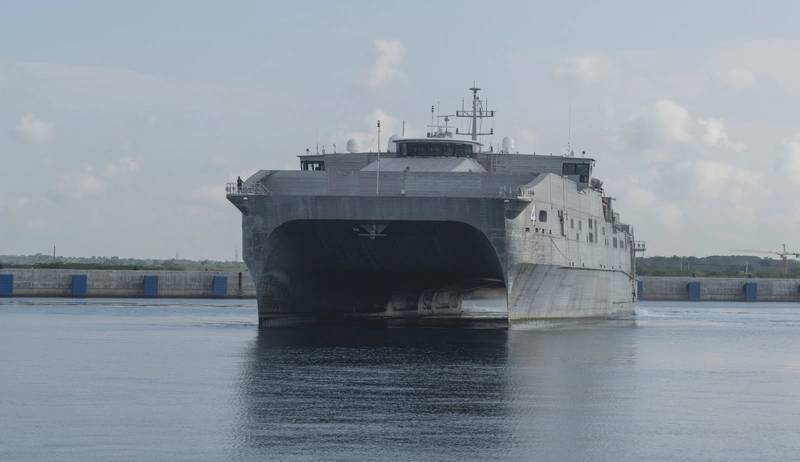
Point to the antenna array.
(478, 111)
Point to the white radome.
(391, 146)
(352, 145)
(508, 144)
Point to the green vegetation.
(47, 261)
(717, 265)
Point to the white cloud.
(22, 202)
(745, 212)
(179, 125)
(529, 138)
(671, 217)
(129, 163)
(714, 134)
(671, 120)
(121, 165)
(717, 179)
(793, 163)
(213, 194)
(773, 61)
(663, 123)
(714, 131)
(389, 125)
(34, 130)
(737, 79)
(219, 161)
(368, 139)
(639, 198)
(79, 184)
(88, 181)
(385, 68)
(37, 223)
(666, 123)
(586, 69)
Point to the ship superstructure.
(431, 229)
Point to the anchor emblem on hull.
(371, 230)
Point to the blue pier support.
(693, 288)
(78, 285)
(219, 286)
(639, 288)
(751, 291)
(151, 286)
(6, 285)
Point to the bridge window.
(312, 165)
(543, 216)
(422, 149)
(581, 170)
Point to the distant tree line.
(48, 261)
(718, 265)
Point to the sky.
(121, 122)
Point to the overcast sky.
(121, 123)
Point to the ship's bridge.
(435, 147)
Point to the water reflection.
(426, 392)
(176, 381)
(367, 392)
(570, 390)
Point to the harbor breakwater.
(718, 289)
(220, 284)
(125, 283)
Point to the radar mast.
(478, 111)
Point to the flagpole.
(378, 170)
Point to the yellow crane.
(783, 254)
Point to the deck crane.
(783, 254)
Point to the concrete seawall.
(719, 289)
(221, 284)
(125, 283)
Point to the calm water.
(194, 380)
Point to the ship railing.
(233, 189)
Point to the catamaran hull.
(413, 260)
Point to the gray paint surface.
(556, 250)
(425, 164)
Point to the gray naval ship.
(435, 229)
